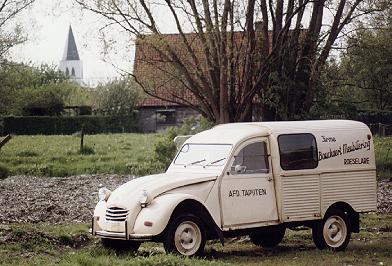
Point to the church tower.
(71, 65)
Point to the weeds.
(4, 172)
(86, 150)
(45, 244)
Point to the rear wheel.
(186, 235)
(333, 232)
(121, 245)
(269, 238)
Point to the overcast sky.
(47, 24)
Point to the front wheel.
(186, 235)
(333, 232)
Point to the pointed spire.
(71, 50)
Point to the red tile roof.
(153, 71)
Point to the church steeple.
(71, 65)
(71, 50)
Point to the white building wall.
(77, 65)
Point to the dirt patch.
(384, 196)
(72, 199)
(56, 200)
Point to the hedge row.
(47, 125)
(375, 117)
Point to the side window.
(252, 159)
(166, 117)
(297, 151)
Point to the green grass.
(383, 150)
(45, 244)
(113, 153)
(60, 155)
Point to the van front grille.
(116, 214)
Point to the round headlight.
(104, 193)
(144, 198)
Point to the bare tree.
(227, 64)
(10, 31)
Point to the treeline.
(27, 90)
(358, 84)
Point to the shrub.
(165, 148)
(4, 172)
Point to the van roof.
(236, 132)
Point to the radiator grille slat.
(116, 214)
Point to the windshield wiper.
(216, 161)
(195, 162)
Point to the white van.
(253, 179)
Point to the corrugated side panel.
(301, 197)
(359, 189)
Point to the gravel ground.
(56, 200)
(72, 199)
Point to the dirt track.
(72, 199)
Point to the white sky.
(47, 22)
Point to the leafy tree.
(226, 63)
(367, 65)
(11, 33)
(118, 97)
(25, 87)
(360, 79)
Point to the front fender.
(159, 213)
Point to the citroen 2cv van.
(253, 179)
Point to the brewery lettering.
(329, 154)
(328, 139)
(343, 149)
(357, 161)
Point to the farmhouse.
(168, 101)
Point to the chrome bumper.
(95, 231)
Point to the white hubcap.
(335, 231)
(187, 238)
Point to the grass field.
(44, 244)
(114, 153)
(383, 150)
(60, 156)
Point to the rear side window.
(297, 151)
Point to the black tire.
(186, 235)
(269, 238)
(333, 232)
(121, 245)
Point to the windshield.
(203, 155)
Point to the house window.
(67, 72)
(253, 159)
(166, 117)
(73, 72)
(297, 151)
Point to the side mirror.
(239, 169)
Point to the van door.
(247, 188)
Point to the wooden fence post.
(5, 140)
(81, 139)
